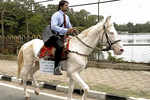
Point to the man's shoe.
(57, 71)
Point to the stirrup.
(57, 71)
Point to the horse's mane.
(93, 28)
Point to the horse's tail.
(20, 62)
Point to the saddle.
(48, 53)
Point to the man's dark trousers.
(58, 43)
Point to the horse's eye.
(111, 33)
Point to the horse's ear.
(107, 20)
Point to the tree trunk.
(2, 26)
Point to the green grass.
(121, 92)
(110, 90)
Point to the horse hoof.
(37, 91)
(27, 98)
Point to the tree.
(130, 27)
(26, 17)
(121, 28)
(92, 20)
(37, 23)
(81, 16)
(2, 9)
(11, 17)
(73, 19)
(26, 6)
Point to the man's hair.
(61, 3)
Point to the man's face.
(65, 7)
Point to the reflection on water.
(135, 38)
(136, 41)
(136, 53)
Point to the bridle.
(108, 41)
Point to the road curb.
(91, 94)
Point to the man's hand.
(71, 30)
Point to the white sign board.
(47, 66)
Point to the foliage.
(113, 59)
(37, 23)
(26, 17)
(131, 28)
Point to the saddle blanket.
(48, 53)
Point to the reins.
(75, 35)
(87, 44)
(110, 43)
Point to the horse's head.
(110, 37)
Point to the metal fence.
(11, 44)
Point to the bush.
(114, 59)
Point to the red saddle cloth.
(49, 52)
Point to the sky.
(122, 12)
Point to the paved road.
(11, 92)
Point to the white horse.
(80, 47)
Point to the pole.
(98, 9)
(93, 3)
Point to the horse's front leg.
(36, 86)
(76, 77)
(71, 87)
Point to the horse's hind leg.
(71, 87)
(35, 82)
(24, 75)
(27, 67)
(24, 78)
(76, 77)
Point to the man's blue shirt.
(57, 20)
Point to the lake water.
(138, 53)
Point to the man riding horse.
(60, 25)
(80, 47)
